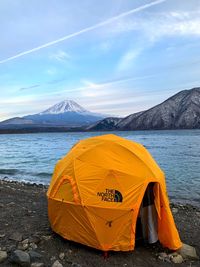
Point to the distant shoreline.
(77, 130)
(40, 130)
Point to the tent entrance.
(147, 221)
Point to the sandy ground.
(23, 211)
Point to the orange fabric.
(96, 192)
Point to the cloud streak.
(89, 86)
(128, 58)
(29, 87)
(60, 56)
(88, 29)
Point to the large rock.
(188, 252)
(20, 257)
(3, 256)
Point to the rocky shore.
(26, 238)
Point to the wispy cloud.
(60, 56)
(157, 25)
(105, 46)
(29, 87)
(91, 28)
(51, 71)
(127, 60)
(55, 81)
(180, 23)
(18, 100)
(91, 89)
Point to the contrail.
(98, 25)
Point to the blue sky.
(115, 57)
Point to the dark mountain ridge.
(181, 111)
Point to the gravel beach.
(24, 226)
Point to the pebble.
(61, 255)
(11, 204)
(69, 251)
(20, 257)
(2, 235)
(57, 264)
(175, 210)
(25, 246)
(25, 241)
(34, 239)
(3, 256)
(162, 256)
(173, 257)
(177, 259)
(33, 245)
(22, 246)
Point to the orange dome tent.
(96, 192)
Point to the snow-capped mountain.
(65, 106)
(65, 113)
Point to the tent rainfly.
(98, 192)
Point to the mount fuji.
(65, 106)
(66, 113)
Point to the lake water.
(32, 157)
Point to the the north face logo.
(110, 195)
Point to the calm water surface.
(32, 157)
